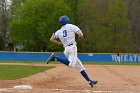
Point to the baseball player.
(67, 39)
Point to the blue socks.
(84, 74)
(62, 60)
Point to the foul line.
(6, 90)
(92, 91)
(65, 90)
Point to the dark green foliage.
(105, 25)
(1, 43)
(34, 23)
(108, 25)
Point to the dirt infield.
(112, 79)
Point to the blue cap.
(64, 20)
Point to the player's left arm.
(80, 35)
(53, 40)
(78, 31)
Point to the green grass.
(86, 63)
(113, 63)
(105, 63)
(12, 72)
(7, 61)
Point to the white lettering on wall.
(139, 58)
(135, 58)
(116, 58)
(130, 58)
(126, 58)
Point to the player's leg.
(69, 53)
(83, 73)
(72, 57)
(56, 58)
(71, 61)
(75, 62)
(62, 60)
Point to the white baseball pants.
(71, 53)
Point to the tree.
(134, 18)
(4, 23)
(105, 25)
(34, 23)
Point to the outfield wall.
(84, 57)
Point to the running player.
(67, 39)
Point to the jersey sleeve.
(56, 35)
(75, 29)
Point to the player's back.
(67, 34)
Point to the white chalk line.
(85, 91)
(92, 91)
(6, 90)
(66, 90)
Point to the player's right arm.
(54, 40)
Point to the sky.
(9, 2)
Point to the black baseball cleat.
(51, 58)
(93, 83)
